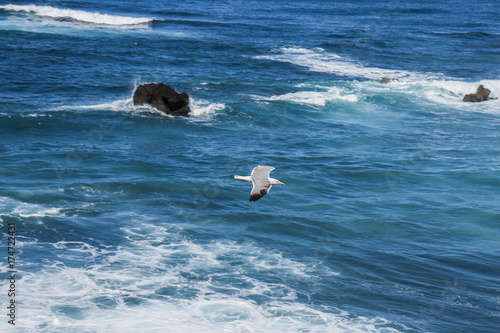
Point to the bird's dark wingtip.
(255, 197)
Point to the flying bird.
(261, 181)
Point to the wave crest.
(78, 15)
(319, 60)
(315, 98)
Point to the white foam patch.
(452, 92)
(123, 105)
(317, 98)
(445, 92)
(9, 206)
(199, 107)
(319, 60)
(156, 280)
(433, 88)
(78, 15)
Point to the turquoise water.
(131, 221)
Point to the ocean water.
(127, 220)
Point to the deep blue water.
(131, 221)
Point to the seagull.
(261, 181)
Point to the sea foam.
(9, 206)
(434, 88)
(318, 97)
(432, 92)
(214, 287)
(319, 60)
(447, 93)
(199, 107)
(78, 15)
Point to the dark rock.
(388, 80)
(163, 98)
(481, 95)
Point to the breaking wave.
(78, 15)
(319, 60)
(318, 97)
(433, 92)
(9, 206)
(157, 272)
(199, 107)
(431, 87)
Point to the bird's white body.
(261, 181)
(244, 178)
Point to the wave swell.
(318, 97)
(318, 60)
(78, 15)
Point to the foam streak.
(318, 60)
(78, 15)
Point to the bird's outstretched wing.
(259, 190)
(262, 171)
(260, 181)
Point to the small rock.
(481, 95)
(163, 98)
(388, 80)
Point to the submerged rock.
(163, 98)
(481, 95)
(388, 80)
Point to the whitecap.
(9, 206)
(431, 93)
(319, 60)
(211, 287)
(316, 98)
(446, 92)
(453, 90)
(429, 88)
(199, 107)
(122, 105)
(78, 15)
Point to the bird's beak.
(282, 183)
